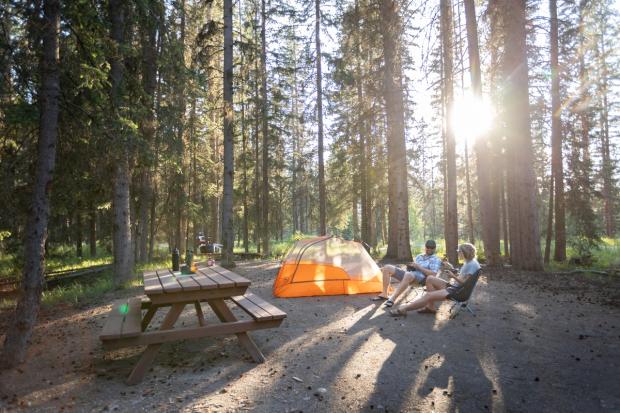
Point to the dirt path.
(539, 342)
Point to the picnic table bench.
(126, 325)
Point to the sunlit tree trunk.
(21, 324)
(265, 127)
(486, 167)
(451, 218)
(522, 210)
(398, 196)
(557, 168)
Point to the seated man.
(426, 264)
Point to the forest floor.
(539, 342)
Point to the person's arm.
(434, 270)
(425, 271)
(459, 278)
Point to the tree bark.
(557, 168)
(265, 189)
(22, 323)
(522, 211)
(229, 159)
(122, 226)
(364, 145)
(451, 218)
(149, 79)
(398, 197)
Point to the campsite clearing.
(539, 342)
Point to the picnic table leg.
(149, 316)
(151, 350)
(201, 317)
(224, 314)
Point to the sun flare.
(471, 117)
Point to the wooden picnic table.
(127, 325)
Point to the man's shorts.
(399, 274)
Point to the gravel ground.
(539, 342)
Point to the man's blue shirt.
(429, 262)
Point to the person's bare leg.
(387, 272)
(434, 284)
(402, 286)
(427, 300)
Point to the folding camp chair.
(462, 296)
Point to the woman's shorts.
(452, 291)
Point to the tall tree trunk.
(398, 196)
(228, 115)
(182, 198)
(451, 218)
(364, 146)
(149, 57)
(265, 191)
(557, 168)
(319, 109)
(486, 167)
(257, 192)
(523, 214)
(122, 223)
(244, 139)
(22, 322)
(244, 148)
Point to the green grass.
(60, 258)
(606, 256)
(85, 291)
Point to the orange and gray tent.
(327, 266)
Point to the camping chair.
(462, 296)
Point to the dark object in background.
(202, 248)
(175, 259)
(189, 258)
(366, 246)
(210, 249)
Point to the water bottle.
(175, 259)
(189, 258)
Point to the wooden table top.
(165, 281)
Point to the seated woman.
(438, 289)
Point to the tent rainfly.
(327, 266)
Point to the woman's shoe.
(388, 303)
(398, 312)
